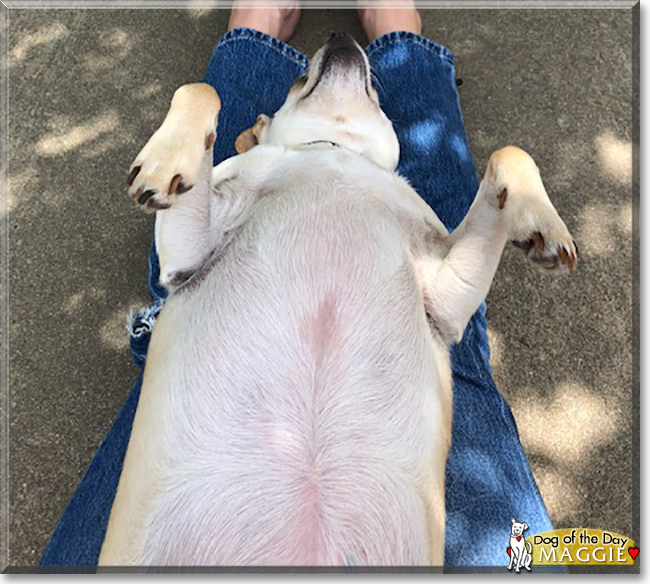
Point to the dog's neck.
(329, 144)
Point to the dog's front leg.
(511, 203)
(521, 559)
(173, 174)
(197, 206)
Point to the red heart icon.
(634, 552)
(519, 539)
(509, 552)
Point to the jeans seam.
(384, 41)
(277, 45)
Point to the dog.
(521, 552)
(296, 402)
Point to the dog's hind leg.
(528, 555)
(511, 203)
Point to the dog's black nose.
(340, 39)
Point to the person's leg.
(278, 22)
(79, 534)
(252, 71)
(489, 479)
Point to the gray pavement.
(87, 88)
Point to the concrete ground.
(88, 87)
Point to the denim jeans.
(488, 479)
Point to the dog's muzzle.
(342, 54)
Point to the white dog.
(296, 402)
(520, 551)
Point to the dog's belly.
(292, 402)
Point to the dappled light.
(580, 420)
(196, 9)
(20, 186)
(605, 228)
(562, 495)
(423, 136)
(147, 91)
(496, 348)
(32, 42)
(113, 332)
(615, 158)
(111, 48)
(79, 302)
(62, 140)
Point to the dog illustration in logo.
(520, 555)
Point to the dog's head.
(518, 528)
(334, 102)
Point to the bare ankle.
(379, 20)
(278, 22)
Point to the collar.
(321, 143)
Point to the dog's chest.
(291, 368)
(313, 315)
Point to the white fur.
(296, 403)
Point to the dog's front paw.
(167, 166)
(551, 250)
(170, 162)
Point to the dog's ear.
(512, 520)
(525, 526)
(253, 136)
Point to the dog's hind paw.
(514, 186)
(551, 251)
